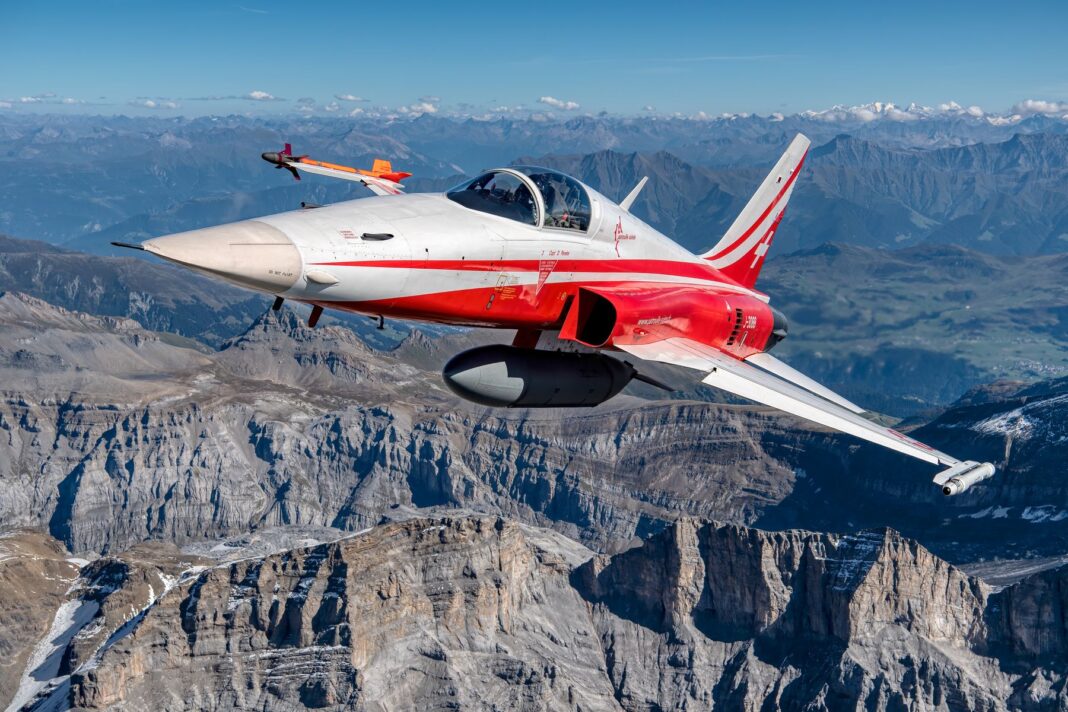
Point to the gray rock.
(481, 613)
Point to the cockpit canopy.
(501, 192)
(498, 193)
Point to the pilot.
(551, 196)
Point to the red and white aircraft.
(574, 273)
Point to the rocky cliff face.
(475, 612)
(35, 574)
(290, 426)
(130, 435)
(112, 436)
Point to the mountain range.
(899, 331)
(84, 181)
(207, 504)
(237, 515)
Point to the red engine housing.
(737, 324)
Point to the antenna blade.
(632, 195)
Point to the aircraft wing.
(378, 186)
(756, 384)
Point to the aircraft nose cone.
(250, 253)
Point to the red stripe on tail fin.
(741, 251)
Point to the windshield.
(497, 193)
(567, 205)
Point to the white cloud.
(649, 107)
(251, 96)
(422, 107)
(895, 114)
(1038, 106)
(430, 99)
(5, 104)
(332, 107)
(558, 103)
(45, 98)
(348, 97)
(356, 112)
(154, 104)
(260, 96)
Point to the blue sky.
(196, 57)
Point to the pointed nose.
(250, 253)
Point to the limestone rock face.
(794, 619)
(1032, 620)
(35, 573)
(449, 613)
(125, 443)
(112, 435)
(474, 612)
(286, 425)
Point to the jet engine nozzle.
(962, 476)
(780, 327)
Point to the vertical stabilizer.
(740, 253)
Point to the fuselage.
(575, 274)
(428, 257)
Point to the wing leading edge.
(822, 406)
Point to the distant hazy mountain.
(1004, 198)
(877, 176)
(159, 296)
(324, 487)
(898, 331)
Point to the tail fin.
(381, 167)
(740, 253)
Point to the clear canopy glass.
(497, 193)
(567, 205)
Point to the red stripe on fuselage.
(695, 270)
(508, 307)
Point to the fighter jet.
(575, 274)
